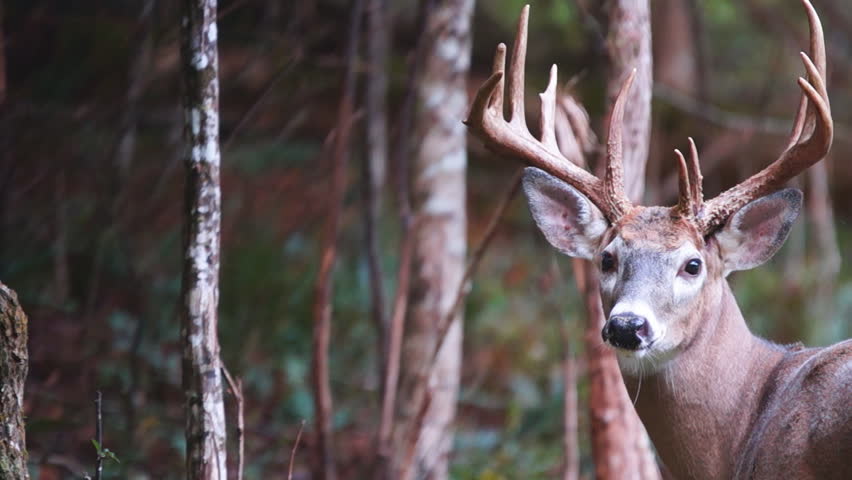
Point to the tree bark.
(202, 381)
(13, 375)
(620, 445)
(439, 193)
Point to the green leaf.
(105, 452)
(110, 455)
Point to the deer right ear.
(568, 220)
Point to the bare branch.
(323, 289)
(99, 435)
(293, 451)
(237, 390)
(476, 258)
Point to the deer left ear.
(568, 220)
(757, 231)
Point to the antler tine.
(813, 121)
(548, 112)
(499, 67)
(696, 181)
(817, 49)
(614, 180)
(685, 199)
(512, 137)
(516, 71)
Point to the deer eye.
(693, 267)
(607, 262)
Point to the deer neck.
(699, 408)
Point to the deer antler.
(513, 138)
(809, 140)
(691, 198)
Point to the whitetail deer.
(717, 401)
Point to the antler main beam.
(513, 138)
(810, 139)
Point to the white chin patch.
(641, 362)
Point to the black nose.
(626, 331)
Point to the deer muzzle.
(627, 331)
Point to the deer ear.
(757, 231)
(569, 221)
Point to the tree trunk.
(13, 375)
(424, 437)
(202, 381)
(620, 445)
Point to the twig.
(99, 435)
(720, 117)
(293, 451)
(323, 289)
(475, 260)
(226, 146)
(237, 389)
(446, 322)
(736, 121)
(397, 327)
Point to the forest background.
(91, 199)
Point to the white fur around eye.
(608, 282)
(609, 279)
(685, 286)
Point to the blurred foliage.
(95, 255)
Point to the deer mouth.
(641, 348)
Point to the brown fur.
(658, 226)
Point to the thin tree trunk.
(439, 193)
(676, 65)
(571, 467)
(3, 82)
(6, 163)
(396, 326)
(13, 375)
(2, 54)
(137, 82)
(61, 270)
(620, 445)
(676, 59)
(375, 162)
(202, 381)
(826, 251)
(323, 292)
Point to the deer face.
(657, 271)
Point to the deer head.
(657, 264)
